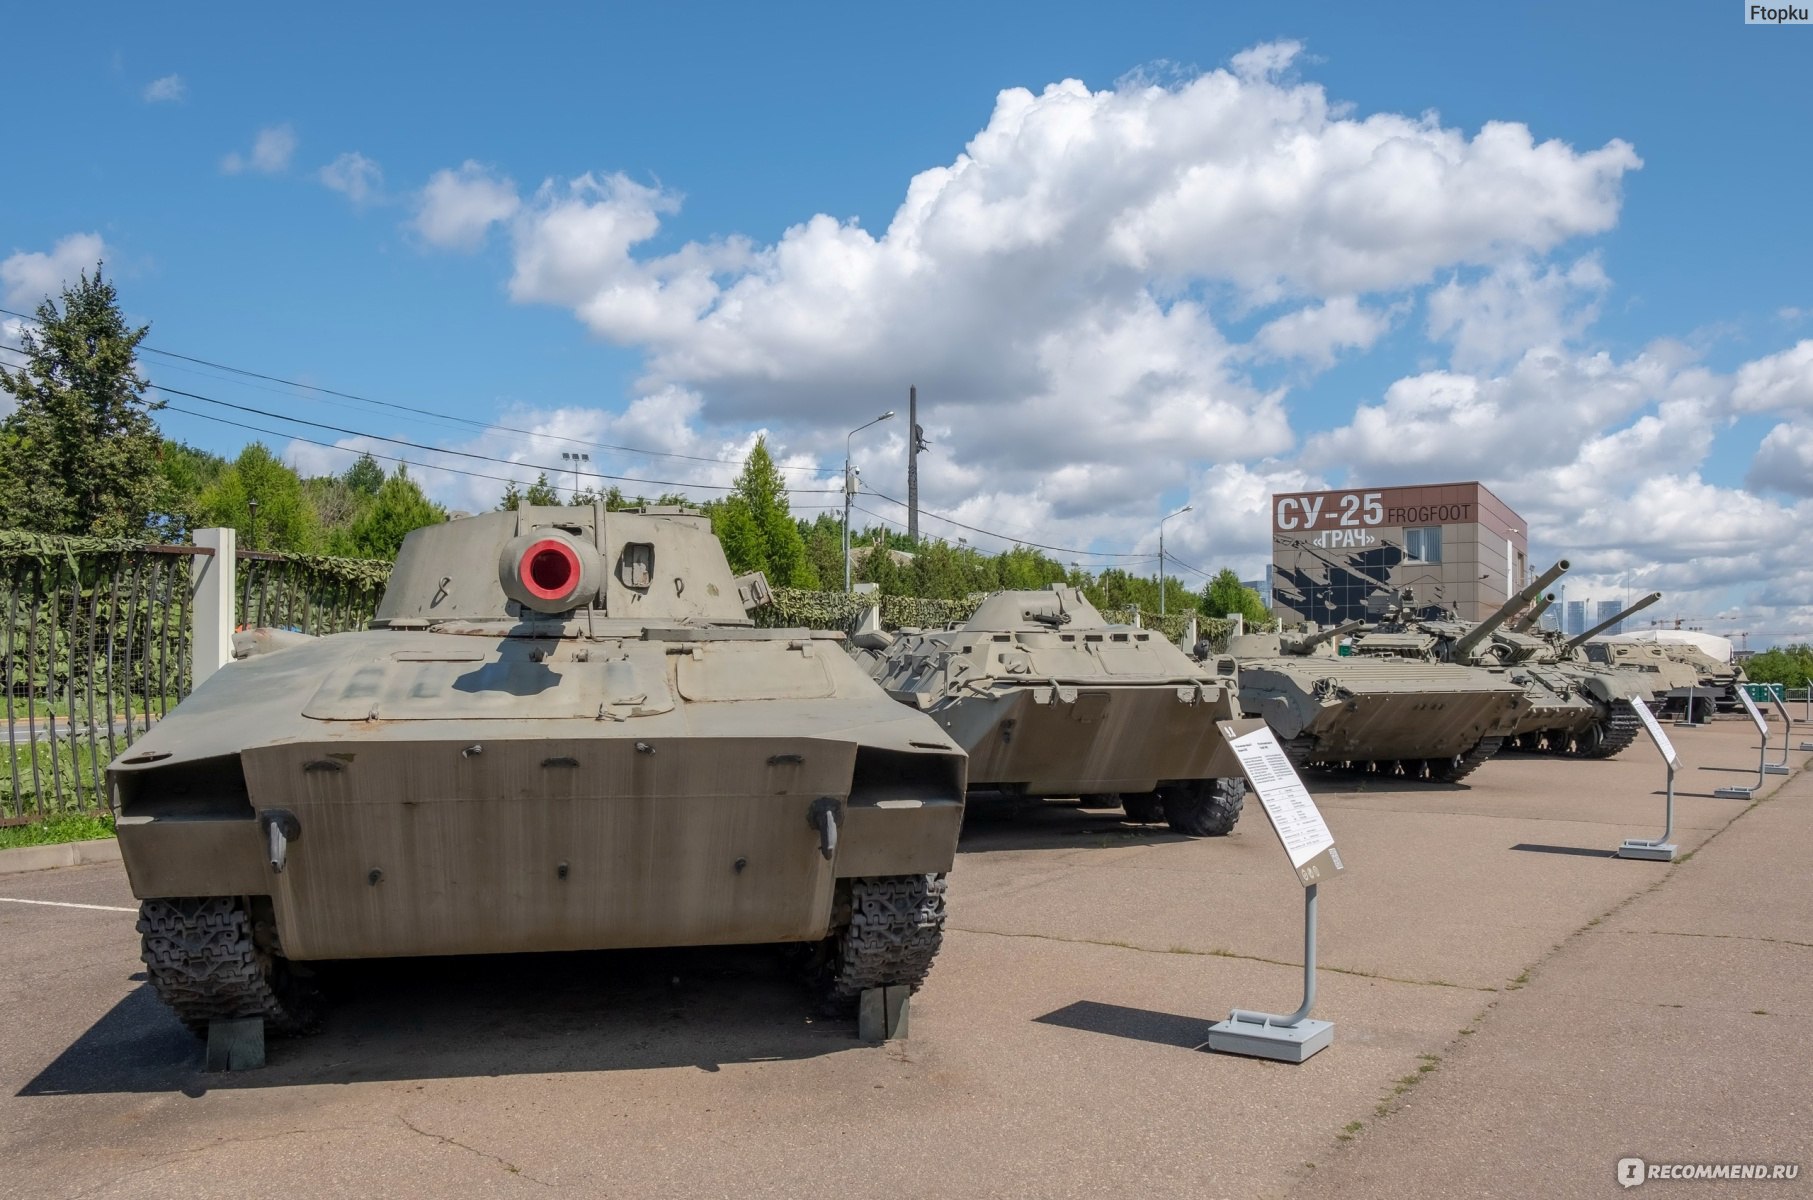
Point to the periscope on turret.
(562, 732)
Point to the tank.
(562, 732)
(1574, 708)
(1051, 701)
(1391, 711)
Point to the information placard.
(1293, 814)
(1756, 714)
(1656, 735)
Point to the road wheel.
(1204, 807)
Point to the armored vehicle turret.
(1393, 712)
(1052, 701)
(562, 732)
(1678, 672)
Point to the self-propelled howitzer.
(562, 732)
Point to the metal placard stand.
(1313, 856)
(1782, 767)
(1740, 792)
(1660, 849)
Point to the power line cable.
(1006, 537)
(439, 416)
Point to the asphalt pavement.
(1515, 1011)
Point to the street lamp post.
(575, 458)
(252, 533)
(1161, 558)
(850, 488)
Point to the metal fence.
(97, 647)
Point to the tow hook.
(822, 816)
(280, 829)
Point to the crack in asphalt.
(1734, 937)
(442, 1138)
(1185, 951)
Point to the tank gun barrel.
(1529, 619)
(1327, 635)
(1489, 626)
(1606, 624)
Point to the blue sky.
(731, 125)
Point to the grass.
(64, 827)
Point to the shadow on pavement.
(447, 1018)
(1582, 851)
(1143, 1025)
(1051, 825)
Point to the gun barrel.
(1529, 619)
(1328, 635)
(1606, 624)
(1489, 626)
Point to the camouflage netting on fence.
(95, 646)
(796, 607)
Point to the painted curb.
(62, 854)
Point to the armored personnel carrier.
(1392, 711)
(1050, 701)
(562, 732)
(1573, 708)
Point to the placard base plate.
(1775, 768)
(1647, 848)
(1277, 1042)
(1734, 793)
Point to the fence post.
(211, 578)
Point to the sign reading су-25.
(1301, 512)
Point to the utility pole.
(1161, 558)
(915, 443)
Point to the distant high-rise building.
(1576, 617)
(1607, 610)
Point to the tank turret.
(1464, 645)
(1606, 624)
(1308, 643)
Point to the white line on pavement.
(66, 904)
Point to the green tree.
(512, 498)
(541, 492)
(184, 473)
(79, 453)
(285, 519)
(365, 476)
(399, 508)
(757, 527)
(1790, 666)
(1226, 594)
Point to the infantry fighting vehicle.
(1051, 700)
(562, 732)
(1573, 708)
(1677, 672)
(1394, 713)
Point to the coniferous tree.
(79, 453)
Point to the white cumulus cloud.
(458, 207)
(28, 277)
(167, 90)
(271, 152)
(354, 176)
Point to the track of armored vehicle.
(1394, 717)
(1051, 701)
(563, 732)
